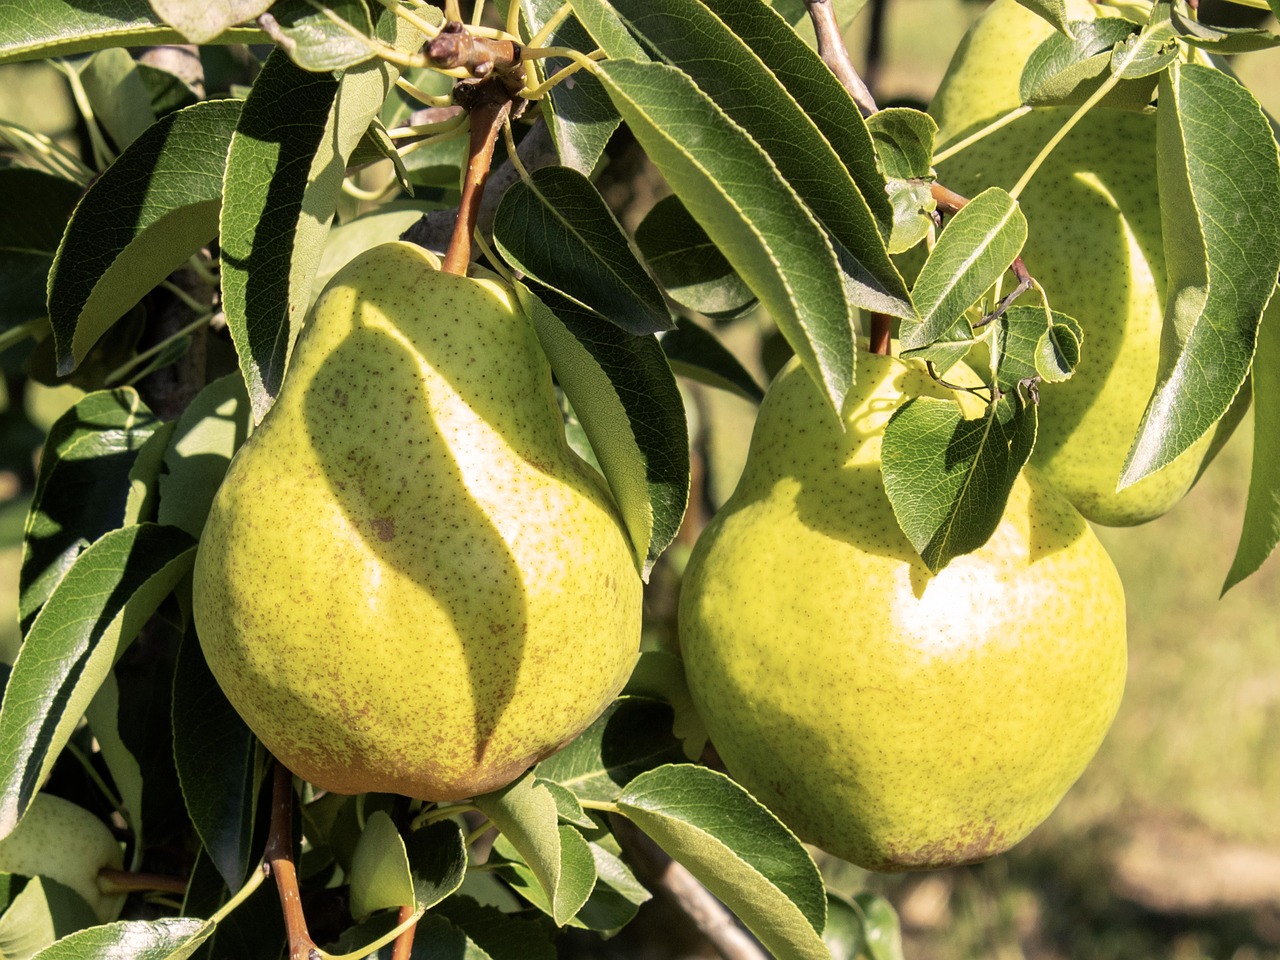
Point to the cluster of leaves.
(783, 197)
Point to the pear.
(1094, 243)
(63, 841)
(408, 583)
(896, 718)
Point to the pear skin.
(897, 719)
(1094, 243)
(408, 582)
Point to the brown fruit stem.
(279, 860)
(127, 881)
(404, 942)
(881, 334)
(490, 105)
(836, 55)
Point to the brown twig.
(456, 47)
(836, 55)
(127, 881)
(279, 859)
(489, 103)
(404, 942)
(709, 915)
(881, 334)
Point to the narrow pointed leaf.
(219, 764)
(1052, 11)
(977, 246)
(631, 736)
(1219, 174)
(117, 94)
(628, 403)
(39, 29)
(281, 189)
(576, 883)
(154, 207)
(83, 488)
(1221, 40)
(567, 806)
(616, 898)
(97, 608)
(729, 185)
(1261, 529)
(104, 717)
(687, 35)
(503, 936)
(1068, 70)
(557, 229)
(696, 353)
(738, 849)
(948, 478)
(36, 208)
(168, 939)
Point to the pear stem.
(404, 942)
(881, 334)
(489, 111)
(128, 881)
(279, 859)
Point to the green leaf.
(282, 187)
(97, 608)
(380, 875)
(40, 29)
(616, 898)
(526, 814)
(348, 240)
(104, 717)
(904, 142)
(144, 476)
(503, 936)
(1033, 344)
(120, 99)
(1068, 70)
(316, 43)
(82, 490)
(739, 850)
(690, 37)
(633, 735)
(731, 187)
(438, 939)
(880, 926)
(844, 935)
(1150, 51)
(44, 911)
(219, 764)
(947, 477)
(689, 266)
(567, 807)
(36, 208)
(437, 862)
(167, 939)
(579, 114)
(1221, 40)
(806, 78)
(577, 876)
(627, 400)
(1261, 528)
(202, 22)
(913, 213)
(1219, 176)
(1052, 11)
(608, 31)
(209, 431)
(977, 246)
(558, 231)
(660, 675)
(154, 207)
(695, 352)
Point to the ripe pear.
(408, 582)
(63, 841)
(896, 718)
(1094, 243)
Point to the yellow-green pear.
(65, 842)
(408, 582)
(1094, 242)
(896, 718)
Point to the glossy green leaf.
(806, 78)
(82, 489)
(1052, 11)
(120, 99)
(104, 717)
(608, 31)
(144, 476)
(738, 849)
(219, 763)
(631, 736)
(627, 400)
(166, 939)
(689, 36)
(568, 808)
(1149, 52)
(576, 882)
(437, 862)
(731, 187)
(44, 911)
(31, 29)
(556, 229)
(209, 431)
(313, 41)
(913, 213)
(1219, 177)
(903, 140)
(1260, 531)
(154, 207)
(844, 935)
(36, 208)
(282, 187)
(202, 22)
(689, 266)
(97, 608)
(504, 936)
(976, 247)
(880, 926)
(616, 898)
(380, 869)
(526, 814)
(1221, 40)
(579, 114)
(948, 478)
(1031, 344)
(438, 939)
(696, 353)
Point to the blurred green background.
(1169, 846)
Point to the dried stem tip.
(457, 48)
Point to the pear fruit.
(63, 841)
(896, 718)
(408, 583)
(1094, 243)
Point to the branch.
(279, 859)
(836, 56)
(489, 103)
